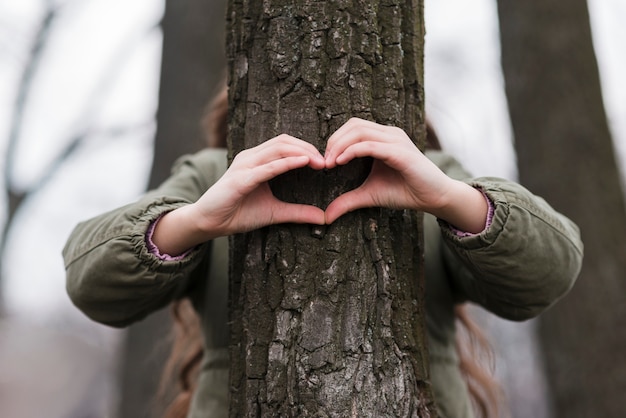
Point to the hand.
(241, 200)
(401, 177)
(245, 199)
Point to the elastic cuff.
(154, 250)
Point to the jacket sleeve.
(110, 273)
(527, 259)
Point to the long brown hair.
(181, 371)
(477, 364)
(182, 368)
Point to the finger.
(396, 156)
(345, 131)
(297, 213)
(280, 147)
(357, 131)
(348, 202)
(355, 124)
(259, 156)
(267, 171)
(288, 139)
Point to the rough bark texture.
(327, 321)
(192, 66)
(565, 154)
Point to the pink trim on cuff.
(488, 221)
(153, 249)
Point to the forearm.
(524, 262)
(111, 274)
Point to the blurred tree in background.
(192, 68)
(55, 361)
(565, 153)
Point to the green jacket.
(520, 265)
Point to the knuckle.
(283, 137)
(355, 120)
(397, 130)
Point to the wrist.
(180, 230)
(464, 207)
(153, 248)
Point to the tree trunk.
(327, 321)
(565, 154)
(192, 66)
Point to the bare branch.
(23, 92)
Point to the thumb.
(347, 202)
(297, 213)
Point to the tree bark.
(565, 154)
(327, 321)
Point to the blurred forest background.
(99, 97)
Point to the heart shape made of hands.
(320, 187)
